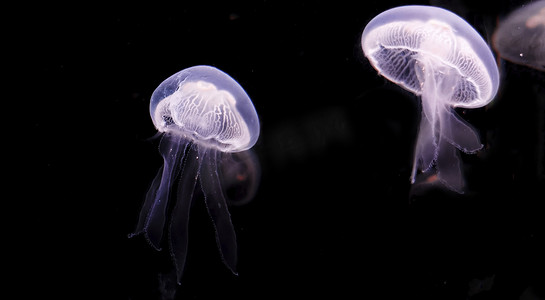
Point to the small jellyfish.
(202, 114)
(436, 55)
(520, 38)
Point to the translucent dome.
(395, 39)
(208, 107)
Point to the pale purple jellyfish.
(202, 113)
(438, 56)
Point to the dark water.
(334, 213)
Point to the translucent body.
(438, 56)
(208, 106)
(520, 38)
(203, 114)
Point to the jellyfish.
(436, 55)
(202, 114)
(520, 38)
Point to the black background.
(333, 215)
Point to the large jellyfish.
(202, 114)
(437, 55)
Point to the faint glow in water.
(520, 37)
(537, 19)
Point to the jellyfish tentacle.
(441, 130)
(427, 143)
(178, 231)
(148, 203)
(449, 169)
(459, 133)
(172, 148)
(218, 211)
(424, 155)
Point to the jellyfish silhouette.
(436, 55)
(520, 38)
(202, 113)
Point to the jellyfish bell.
(402, 33)
(185, 102)
(520, 37)
(438, 56)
